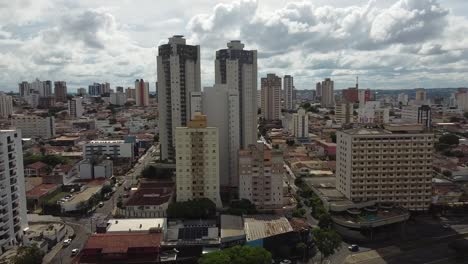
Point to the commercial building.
(420, 114)
(81, 92)
(75, 107)
(344, 113)
(60, 91)
(420, 95)
(372, 113)
(221, 107)
(403, 99)
(261, 176)
(112, 148)
(34, 126)
(46, 102)
(24, 88)
(13, 195)
(131, 93)
(237, 68)
(141, 93)
(196, 103)
(318, 90)
(118, 98)
(391, 165)
(327, 98)
(95, 168)
(46, 89)
(288, 91)
(271, 97)
(32, 99)
(364, 95)
(6, 105)
(350, 95)
(178, 67)
(300, 124)
(197, 161)
(95, 89)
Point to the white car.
(75, 252)
(67, 242)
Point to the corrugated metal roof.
(262, 226)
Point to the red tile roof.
(41, 190)
(120, 243)
(152, 193)
(37, 165)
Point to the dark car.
(353, 248)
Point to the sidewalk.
(56, 249)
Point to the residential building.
(390, 166)
(288, 90)
(261, 176)
(364, 95)
(6, 105)
(112, 148)
(131, 93)
(372, 113)
(60, 90)
(350, 95)
(105, 88)
(24, 89)
(328, 94)
(118, 98)
(318, 90)
(75, 107)
(417, 114)
(95, 168)
(271, 97)
(37, 87)
(421, 95)
(221, 107)
(461, 98)
(95, 89)
(46, 89)
(13, 194)
(237, 68)
(119, 89)
(46, 102)
(36, 169)
(34, 126)
(141, 93)
(197, 161)
(344, 113)
(178, 66)
(33, 99)
(300, 124)
(195, 103)
(81, 92)
(403, 99)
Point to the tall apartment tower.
(75, 107)
(178, 76)
(60, 90)
(46, 89)
(344, 113)
(300, 124)
(237, 68)
(271, 97)
(24, 89)
(328, 95)
(420, 95)
(13, 196)
(197, 161)
(141, 93)
(288, 91)
(261, 176)
(6, 105)
(318, 90)
(391, 165)
(130, 92)
(221, 107)
(95, 89)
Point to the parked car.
(67, 242)
(353, 248)
(101, 204)
(75, 252)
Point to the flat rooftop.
(232, 226)
(136, 224)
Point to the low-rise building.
(35, 169)
(95, 168)
(112, 148)
(34, 126)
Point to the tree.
(241, 207)
(447, 173)
(449, 139)
(465, 114)
(106, 189)
(290, 142)
(299, 212)
(327, 241)
(193, 209)
(325, 221)
(333, 137)
(28, 255)
(237, 255)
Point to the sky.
(389, 44)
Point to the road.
(85, 226)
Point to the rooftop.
(37, 165)
(106, 141)
(231, 225)
(152, 193)
(262, 226)
(120, 243)
(135, 224)
(41, 190)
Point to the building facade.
(372, 113)
(118, 98)
(75, 107)
(288, 91)
(60, 91)
(300, 124)
(13, 195)
(271, 97)
(141, 93)
(261, 176)
(221, 107)
(327, 98)
(6, 105)
(197, 161)
(178, 76)
(112, 148)
(350, 95)
(237, 68)
(35, 126)
(344, 113)
(391, 165)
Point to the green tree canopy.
(241, 207)
(28, 255)
(449, 139)
(325, 221)
(237, 255)
(193, 209)
(327, 241)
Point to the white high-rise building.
(12, 193)
(6, 105)
(34, 126)
(195, 103)
(421, 95)
(344, 113)
(197, 161)
(75, 107)
(261, 176)
(237, 68)
(288, 90)
(221, 106)
(178, 76)
(141, 93)
(32, 99)
(300, 124)
(327, 93)
(372, 113)
(390, 166)
(271, 97)
(38, 87)
(118, 98)
(403, 99)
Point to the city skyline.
(411, 43)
